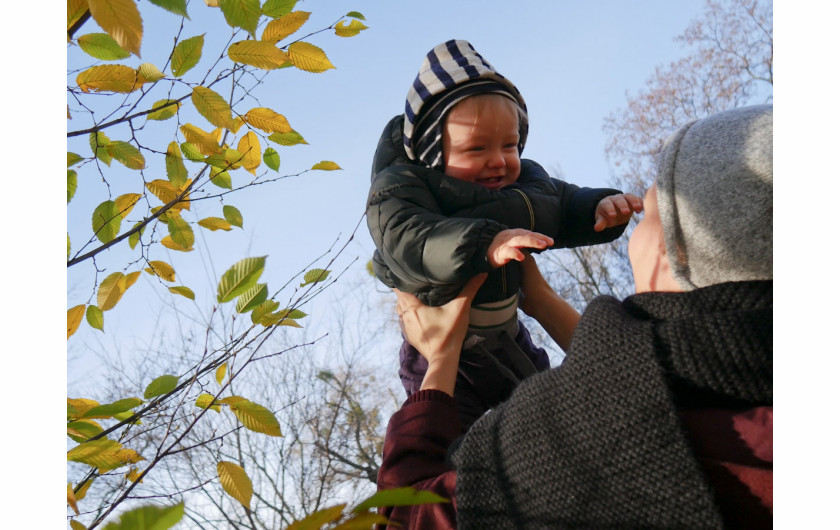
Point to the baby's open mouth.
(490, 182)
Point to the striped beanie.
(451, 72)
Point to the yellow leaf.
(319, 518)
(186, 292)
(126, 154)
(79, 406)
(71, 498)
(267, 120)
(133, 474)
(76, 525)
(162, 269)
(256, 417)
(220, 373)
(326, 165)
(75, 10)
(166, 192)
(149, 73)
(126, 202)
(80, 494)
(309, 57)
(110, 78)
(351, 30)
(205, 141)
(168, 243)
(121, 19)
(166, 109)
(235, 481)
(83, 429)
(261, 54)
(110, 291)
(204, 401)
(282, 27)
(74, 318)
(212, 106)
(237, 124)
(215, 223)
(130, 278)
(249, 146)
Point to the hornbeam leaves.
(206, 142)
(186, 55)
(326, 165)
(109, 78)
(252, 298)
(191, 152)
(350, 30)
(271, 158)
(309, 57)
(243, 14)
(253, 416)
(399, 497)
(82, 430)
(74, 318)
(72, 183)
(287, 139)
(95, 318)
(186, 292)
(126, 202)
(249, 147)
(314, 276)
(282, 27)
(110, 291)
(221, 371)
(179, 7)
(161, 269)
(319, 518)
(239, 278)
(130, 278)
(160, 386)
(166, 109)
(212, 106)
(167, 192)
(181, 232)
(204, 401)
(149, 73)
(261, 54)
(121, 19)
(168, 243)
(102, 46)
(75, 10)
(235, 482)
(126, 154)
(98, 145)
(112, 409)
(214, 223)
(278, 8)
(106, 221)
(232, 215)
(267, 120)
(73, 159)
(176, 171)
(263, 312)
(221, 178)
(150, 517)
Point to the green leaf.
(107, 411)
(167, 109)
(102, 46)
(264, 311)
(73, 159)
(183, 291)
(98, 143)
(233, 215)
(204, 401)
(256, 417)
(181, 232)
(399, 497)
(221, 178)
(72, 183)
(106, 221)
(126, 154)
(150, 73)
(239, 278)
(160, 386)
(251, 298)
(176, 171)
(287, 139)
(179, 7)
(272, 158)
(150, 517)
(82, 430)
(95, 318)
(243, 14)
(362, 521)
(186, 55)
(319, 519)
(192, 152)
(314, 276)
(355, 14)
(134, 238)
(278, 8)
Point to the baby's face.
(480, 141)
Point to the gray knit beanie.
(715, 194)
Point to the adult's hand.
(438, 333)
(539, 300)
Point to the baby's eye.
(476, 148)
(511, 146)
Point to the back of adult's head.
(715, 195)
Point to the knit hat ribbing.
(715, 198)
(450, 72)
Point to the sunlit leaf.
(191, 152)
(309, 57)
(221, 178)
(243, 14)
(121, 20)
(160, 386)
(167, 192)
(102, 46)
(168, 243)
(214, 223)
(252, 298)
(176, 171)
(134, 238)
(149, 73)
(239, 278)
(149, 517)
(162, 269)
(73, 159)
(232, 215)
(76, 407)
(106, 221)
(267, 120)
(187, 53)
(205, 141)
(179, 7)
(314, 276)
(287, 139)
(76, 525)
(256, 417)
(130, 278)
(181, 232)
(212, 3)
(126, 202)
(74, 318)
(326, 165)
(98, 144)
(362, 521)
(72, 183)
(82, 430)
(183, 291)
(204, 401)
(212, 106)
(110, 409)
(133, 474)
(75, 10)
(126, 154)
(272, 158)
(227, 159)
(349, 30)
(399, 497)
(110, 291)
(282, 27)
(263, 311)
(167, 109)
(238, 122)
(109, 78)
(95, 318)
(278, 8)
(235, 482)
(257, 53)
(318, 519)
(221, 371)
(81, 491)
(355, 14)
(249, 146)
(71, 498)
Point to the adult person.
(661, 414)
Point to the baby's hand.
(505, 246)
(616, 210)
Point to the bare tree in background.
(729, 64)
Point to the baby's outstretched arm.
(506, 244)
(616, 210)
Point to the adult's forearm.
(557, 317)
(441, 374)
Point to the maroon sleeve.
(414, 454)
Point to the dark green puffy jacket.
(432, 231)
